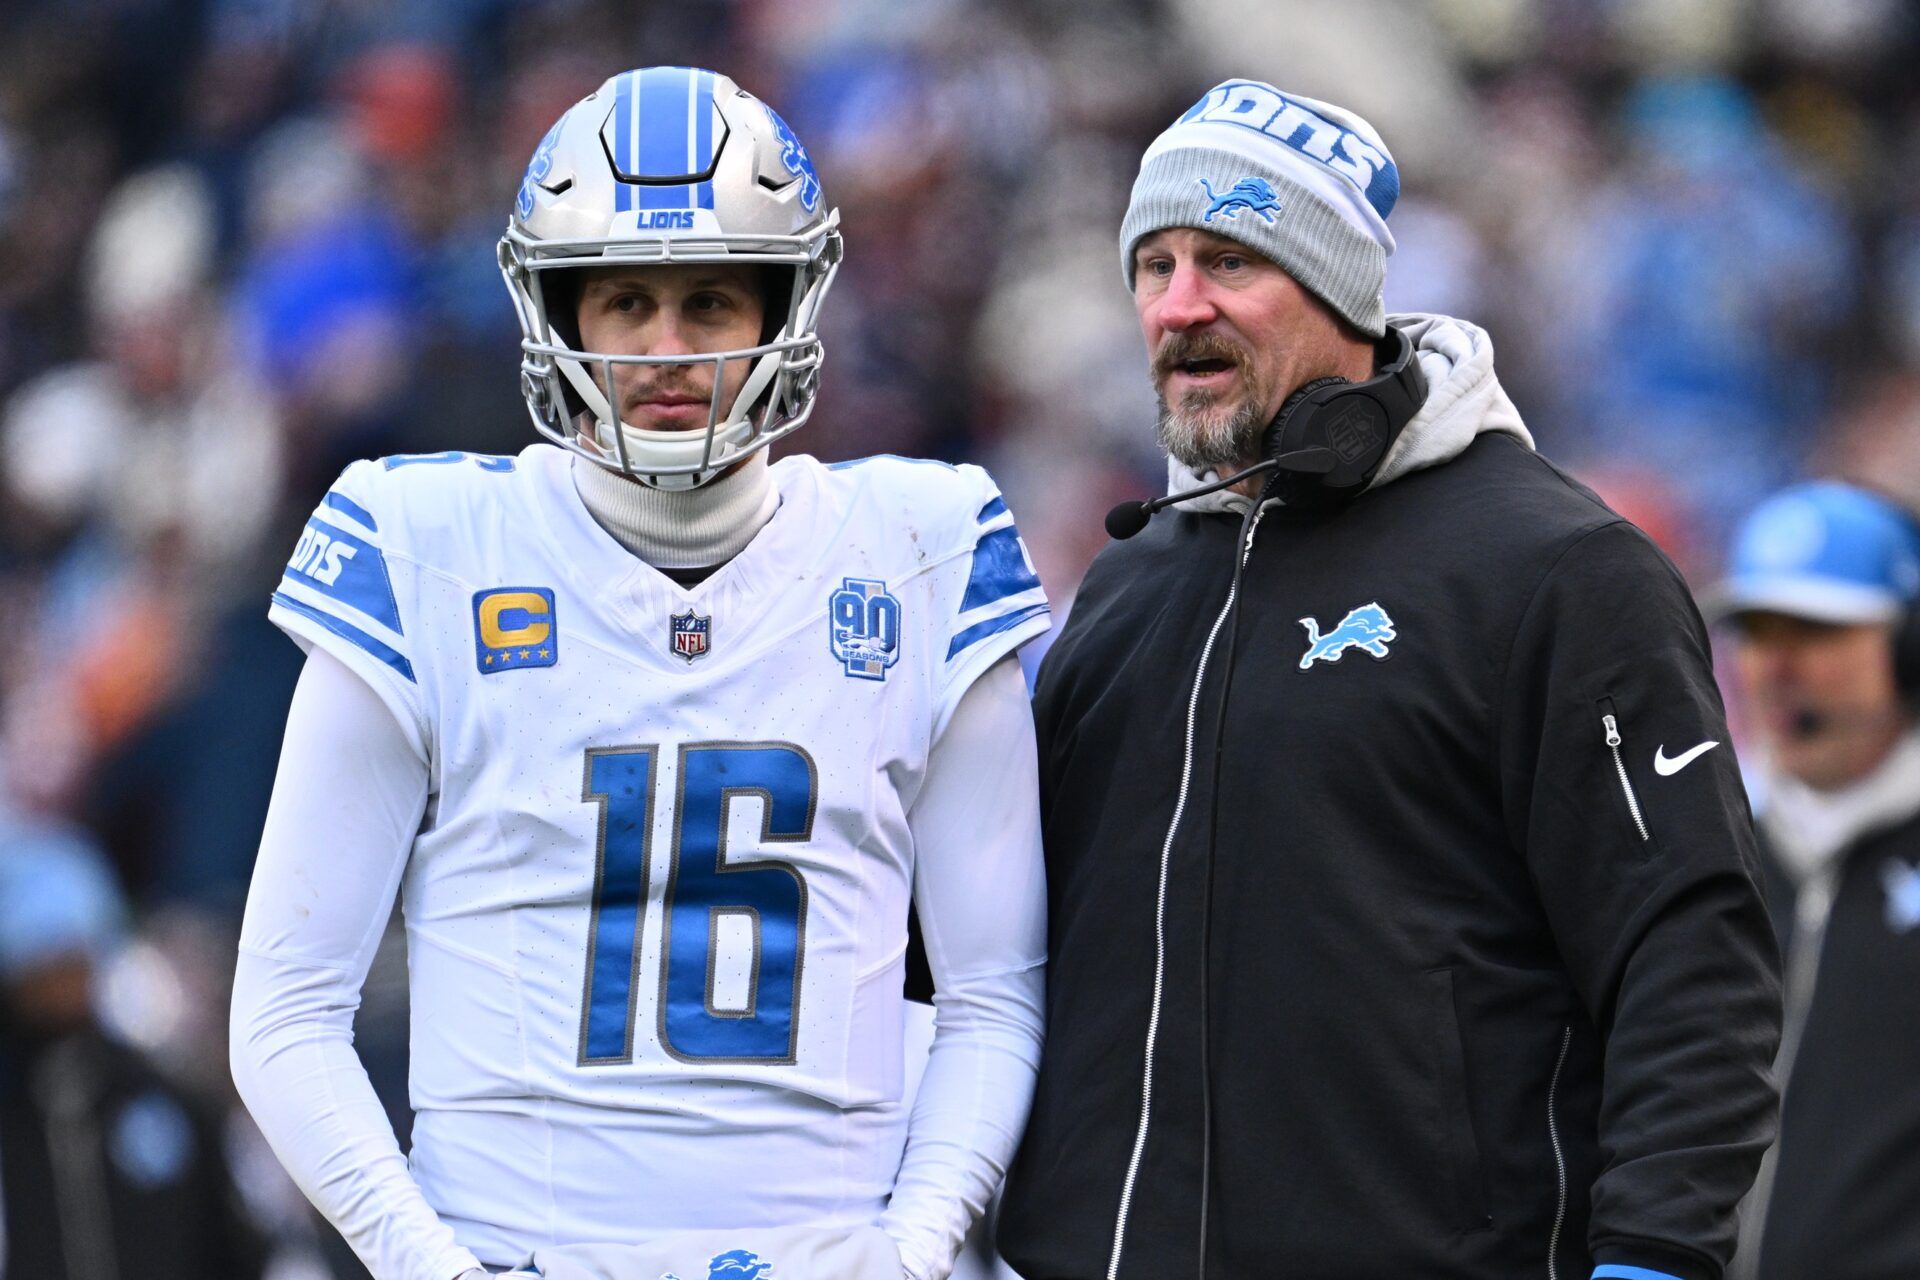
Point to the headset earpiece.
(1906, 656)
(1289, 482)
(1331, 435)
(1325, 444)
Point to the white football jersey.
(656, 914)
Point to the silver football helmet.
(669, 165)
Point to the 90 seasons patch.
(514, 627)
(863, 628)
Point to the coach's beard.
(1203, 435)
(1205, 429)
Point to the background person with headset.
(1820, 598)
(1404, 916)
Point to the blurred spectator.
(147, 472)
(105, 1168)
(1876, 434)
(322, 300)
(1819, 581)
(1705, 285)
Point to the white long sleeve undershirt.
(333, 867)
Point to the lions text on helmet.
(667, 257)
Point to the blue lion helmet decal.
(537, 169)
(1254, 195)
(739, 1264)
(798, 163)
(1367, 628)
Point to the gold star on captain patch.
(489, 659)
(526, 653)
(545, 654)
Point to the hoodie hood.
(1464, 400)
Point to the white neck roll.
(681, 528)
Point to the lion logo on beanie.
(1254, 195)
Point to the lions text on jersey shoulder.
(656, 912)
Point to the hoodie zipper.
(1160, 919)
(1620, 767)
(1559, 1154)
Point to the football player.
(656, 741)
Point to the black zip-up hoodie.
(1839, 1199)
(1491, 990)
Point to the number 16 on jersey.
(707, 901)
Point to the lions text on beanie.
(1304, 183)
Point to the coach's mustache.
(1188, 348)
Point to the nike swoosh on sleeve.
(1666, 767)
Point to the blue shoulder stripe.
(992, 626)
(1614, 1271)
(1000, 569)
(485, 461)
(998, 507)
(336, 563)
(888, 457)
(347, 631)
(340, 502)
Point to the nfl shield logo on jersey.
(691, 632)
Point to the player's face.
(1823, 695)
(672, 309)
(1229, 337)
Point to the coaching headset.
(1906, 634)
(1326, 443)
(1906, 674)
(1906, 656)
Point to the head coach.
(1404, 905)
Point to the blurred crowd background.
(244, 242)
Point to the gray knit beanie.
(1304, 183)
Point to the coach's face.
(1229, 337)
(1822, 695)
(671, 310)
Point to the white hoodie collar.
(1464, 400)
(1811, 828)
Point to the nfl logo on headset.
(863, 628)
(1354, 430)
(691, 632)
